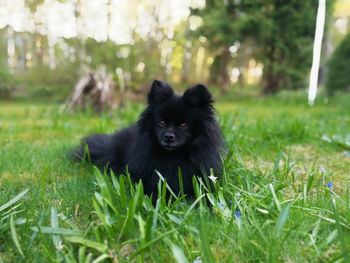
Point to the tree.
(221, 32)
(40, 40)
(280, 33)
(338, 77)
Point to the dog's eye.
(183, 125)
(161, 124)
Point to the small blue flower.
(330, 185)
(237, 214)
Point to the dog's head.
(177, 121)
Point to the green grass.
(272, 205)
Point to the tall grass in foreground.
(283, 197)
(8, 222)
(245, 217)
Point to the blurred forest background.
(241, 46)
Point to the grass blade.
(101, 258)
(14, 235)
(148, 244)
(181, 182)
(277, 202)
(89, 243)
(54, 223)
(178, 254)
(341, 234)
(57, 231)
(167, 186)
(14, 200)
(204, 241)
(282, 219)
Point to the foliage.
(337, 78)
(284, 195)
(7, 82)
(102, 54)
(8, 223)
(279, 33)
(43, 82)
(234, 34)
(219, 27)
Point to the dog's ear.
(160, 91)
(198, 96)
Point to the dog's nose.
(169, 137)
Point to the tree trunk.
(272, 79)
(109, 18)
(218, 70)
(186, 62)
(271, 82)
(11, 49)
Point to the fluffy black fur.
(173, 132)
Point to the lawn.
(284, 196)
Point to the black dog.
(173, 132)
